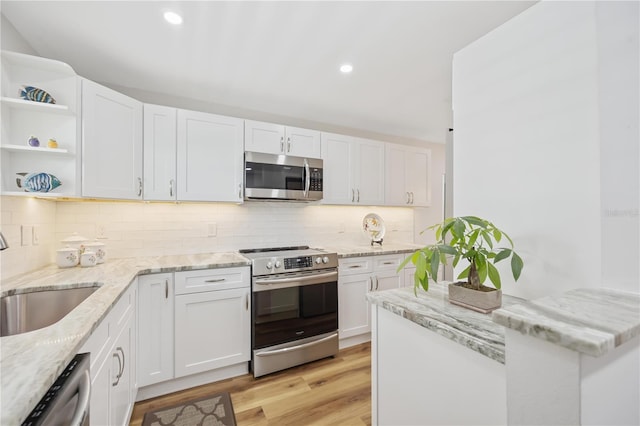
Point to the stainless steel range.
(295, 307)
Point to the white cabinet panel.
(159, 153)
(210, 157)
(354, 310)
(155, 328)
(407, 176)
(353, 170)
(122, 398)
(278, 139)
(111, 143)
(212, 330)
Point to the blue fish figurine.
(37, 182)
(31, 93)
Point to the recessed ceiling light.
(173, 18)
(346, 68)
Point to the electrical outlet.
(212, 229)
(100, 232)
(35, 235)
(26, 234)
(341, 228)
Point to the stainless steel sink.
(24, 312)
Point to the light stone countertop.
(31, 362)
(345, 251)
(433, 311)
(592, 321)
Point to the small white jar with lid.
(88, 258)
(100, 249)
(67, 257)
(75, 241)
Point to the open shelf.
(44, 150)
(34, 194)
(35, 106)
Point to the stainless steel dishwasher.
(67, 400)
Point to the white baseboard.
(354, 340)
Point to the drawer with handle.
(187, 282)
(387, 262)
(355, 265)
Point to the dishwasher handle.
(84, 398)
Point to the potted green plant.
(473, 239)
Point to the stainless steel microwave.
(282, 177)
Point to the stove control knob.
(278, 264)
(269, 265)
(319, 260)
(325, 259)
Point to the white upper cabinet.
(278, 139)
(23, 119)
(353, 170)
(111, 143)
(209, 157)
(407, 175)
(159, 153)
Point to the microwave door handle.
(307, 178)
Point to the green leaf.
(448, 223)
(421, 265)
(474, 220)
(445, 248)
(404, 263)
(516, 266)
(487, 238)
(458, 228)
(497, 234)
(508, 238)
(494, 275)
(502, 254)
(473, 238)
(456, 260)
(482, 272)
(464, 273)
(438, 233)
(435, 262)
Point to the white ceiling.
(278, 57)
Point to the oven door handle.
(299, 280)
(307, 178)
(295, 348)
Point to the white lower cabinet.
(155, 328)
(356, 277)
(213, 328)
(113, 363)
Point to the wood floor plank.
(331, 391)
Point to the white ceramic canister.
(75, 241)
(67, 257)
(100, 249)
(88, 258)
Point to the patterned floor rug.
(213, 410)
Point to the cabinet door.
(302, 142)
(111, 143)
(369, 169)
(353, 308)
(121, 374)
(155, 328)
(409, 277)
(396, 192)
(338, 185)
(387, 280)
(210, 157)
(159, 153)
(100, 406)
(212, 330)
(417, 171)
(264, 137)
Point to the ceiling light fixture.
(173, 18)
(346, 68)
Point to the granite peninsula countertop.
(592, 321)
(31, 362)
(433, 311)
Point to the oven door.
(270, 176)
(291, 307)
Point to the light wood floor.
(332, 391)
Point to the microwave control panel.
(315, 179)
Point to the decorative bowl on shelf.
(37, 182)
(30, 93)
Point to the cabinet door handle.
(123, 362)
(166, 289)
(411, 197)
(353, 195)
(377, 283)
(246, 302)
(281, 143)
(355, 266)
(215, 280)
(171, 188)
(388, 263)
(139, 187)
(408, 198)
(116, 355)
(288, 144)
(240, 190)
(358, 194)
(370, 284)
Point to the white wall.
(12, 40)
(536, 148)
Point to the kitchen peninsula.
(570, 359)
